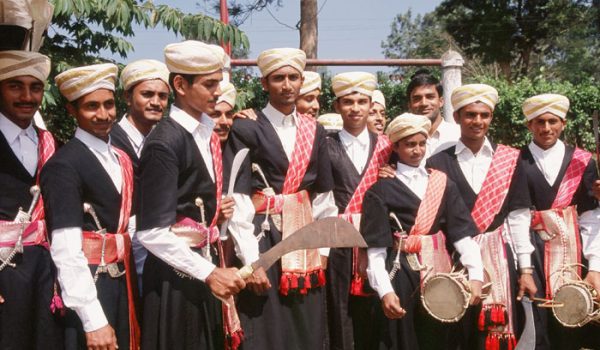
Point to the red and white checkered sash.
(35, 232)
(217, 157)
(381, 155)
(430, 204)
(572, 178)
(495, 186)
(305, 139)
(126, 189)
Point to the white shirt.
(78, 288)
(136, 138)
(23, 142)
(160, 241)
(416, 179)
(240, 226)
(475, 168)
(357, 148)
(446, 135)
(549, 162)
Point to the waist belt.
(33, 233)
(114, 249)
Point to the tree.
(83, 28)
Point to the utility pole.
(309, 33)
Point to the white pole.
(452, 63)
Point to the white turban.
(142, 70)
(228, 93)
(312, 81)
(346, 83)
(20, 63)
(408, 124)
(271, 60)
(80, 81)
(194, 58)
(331, 121)
(467, 94)
(546, 103)
(378, 98)
(33, 15)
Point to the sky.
(347, 28)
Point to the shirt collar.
(486, 149)
(348, 139)
(408, 171)
(132, 132)
(276, 117)
(204, 125)
(11, 130)
(92, 141)
(557, 149)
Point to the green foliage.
(84, 29)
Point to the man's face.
(223, 118)
(95, 112)
(377, 118)
(20, 98)
(411, 149)
(283, 86)
(354, 109)
(424, 100)
(148, 100)
(474, 120)
(546, 129)
(201, 96)
(309, 103)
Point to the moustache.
(30, 105)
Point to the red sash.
(305, 139)
(495, 187)
(46, 148)
(572, 178)
(430, 205)
(381, 155)
(496, 309)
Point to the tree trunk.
(309, 36)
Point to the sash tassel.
(294, 282)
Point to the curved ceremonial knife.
(330, 232)
(235, 169)
(527, 340)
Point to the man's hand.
(226, 211)
(1, 299)
(391, 306)
(475, 292)
(225, 282)
(258, 282)
(102, 339)
(593, 278)
(387, 171)
(324, 262)
(246, 114)
(526, 285)
(596, 189)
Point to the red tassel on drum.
(284, 284)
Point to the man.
(308, 99)
(377, 115)
(424, 93)
(146, 90)
(356, 154)
(494, 189)
(27, 284)
(223, 114)
(180, 205)
(560, 179)
(290, 187)
(427, 210)
(87, 188)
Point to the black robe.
(72, 177)
(517, 198)
(349, 324)
(552, 334)
(179, 313)
(274, 321)
(26, 321)
(415, 330)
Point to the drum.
(574, 304)
(445, 296)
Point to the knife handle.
(246, 272)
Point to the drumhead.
(444, 298)
(577, 305)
